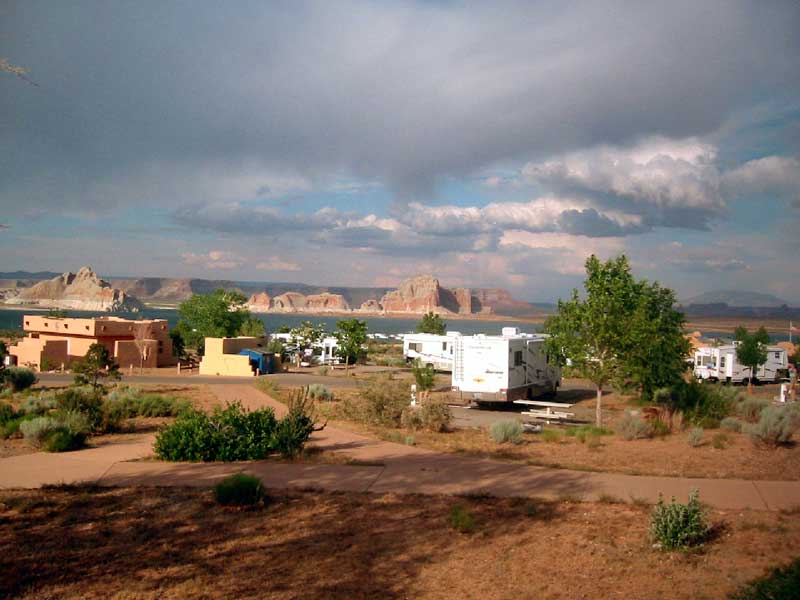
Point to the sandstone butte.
(77, 291)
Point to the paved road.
(381, 467)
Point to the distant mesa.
(737, 299)
(76, 291)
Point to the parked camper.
(431, 349)
(503, 368)
(721, 364)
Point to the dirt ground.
(177, 543)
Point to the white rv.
(721, 364)
(503, 368)
(431, 349)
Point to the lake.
(12, 319)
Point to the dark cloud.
(168, 103)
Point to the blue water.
(12, 319)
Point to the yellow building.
(223, 356)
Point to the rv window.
(415, 347)
(444, 346)
(517, 358)
(722, 362)
(777, 355)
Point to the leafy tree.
(351, 336)
(657, 348)
(596, 335)
(56, 313)
(751, 350)
(3, 351)
(795, 358)
(96, 366)
(178, 345)
(252, 327)
(283, 329)
(218, 314)
(431, 323)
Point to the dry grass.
(176, 543)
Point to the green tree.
(657, 349)
(424, 375)
(305, 335)
(218, 314)
(594, 334)
(95, 367)
(351, 336)
(431, 323)
(751, 350)
(252, 327)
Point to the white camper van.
(503, 368)
(721, 364)
(431, 349)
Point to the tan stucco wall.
(31, 351)
(222, 358)
(127, 354)
(80, 334)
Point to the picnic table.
(546, 411)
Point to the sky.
(359, 143)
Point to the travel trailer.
(503, 368)
(431, 349)
(721, 364)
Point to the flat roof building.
(53, 341)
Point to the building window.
(27, 322)
(66, 326)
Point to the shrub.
(11, 427)
(659, 428)
(436, 416)
(291, 433)
(731, 424)
(779, 584)
(750, 408)
(59, 433)
(776, 426)
(126, 404)
(317, 391)
(38, 405)
(676, 526)
(240, 490)
(323, 371)
(695, 437)
(228, 434)
(411, 418)
(702, 404)
(550, 436)
(64, 440)
(719, 441)
(634, 428)
(506, 432)
(461, 519)
(18, 378)
(424, 375)
(7, 412)
(383, 401)
(36, 430)
(87, 403)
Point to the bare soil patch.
(177, 543)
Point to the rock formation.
(259, 303)
(419, 294)
(288, 302)
(371, 306)
(326, 302)
(77, 291)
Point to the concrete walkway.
(380, 467)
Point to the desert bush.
(135, 403)
(410, 440)
(676, 526)
(382, 401)
(461, 519)
(659, 428)
(719, 441)
(228, 434)
(695, 437)
(323, 371)
(424, 375)
(85, 402)
(11, 427)
(731, 424)
(550, 436)
(58, 433)
(64, 440)
(436, 416)
(632, 427)
(38, 404)
(291, 433)
(780, 584)
(411, 418)
(750, 408)
(317, 391)
(7, 412)
(776, 426)
(240, 490)
(702, 404)
(509, 431)
(37, 429)
(18, 378)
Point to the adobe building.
(237, 357)
(54, 341)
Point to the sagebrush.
(677, 526)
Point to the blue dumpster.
(263, 361)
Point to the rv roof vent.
(510, 330)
